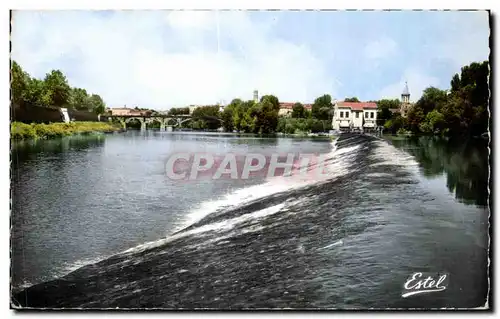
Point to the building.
(405, 105)
(125, 111)
(405, 101)
(351, 115)
(286, 108)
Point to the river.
(96, 223)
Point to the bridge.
(167, 122)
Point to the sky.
(161, 59)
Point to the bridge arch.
(155, 122)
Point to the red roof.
(358, 106)
(289, 105)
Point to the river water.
(96, 223)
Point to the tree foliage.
(321, 107)
(463, 110)
(298, 111)
(58, 88)
(207, 117)
(53, 90)
(384, 107)
(178, 111)
(273, 100)
(351, 99)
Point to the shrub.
(20, 131)
(25, 131)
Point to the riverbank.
(22, 131)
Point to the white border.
(175, 4)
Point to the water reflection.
(464, 163)
(22, 151)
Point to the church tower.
(256, 96)
(405, 96)
(405, 101)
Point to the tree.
(384, 107)
(208, 116)
(455, 83)
(37, 94)
(388, 104)
(97, 105)
(58, 88)
(19, 81)
(227, 119)
(394, 124)
(432, 98)
(322, 102)
(79, 99)
(266, 117)
(178, 111)
(434, 123)
(351, 99)
(415, 117)
(54, 90)
(273, 100)
(298, 111)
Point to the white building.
(349, 115)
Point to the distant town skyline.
(163, 59)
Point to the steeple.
(405, 96)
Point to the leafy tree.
(227, 119)
(58, 88)
(455, 83)
(415, 116)
(395, 124)
(319, 106)
(266, 117)
(97, 105)
(384, 107)
(273, 100)
(351, 99)
(19, 82)
(79, 99)
(37, 94)
(298, 111)
(462, 111)
(178, 111)
(388, 104)
(208, 116)
(432, 98)
(433, 123)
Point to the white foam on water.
(70, 267)
(334, 167)
(386, 154)
(337, 243)
(224, 225)
(25, 284)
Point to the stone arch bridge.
(167, 122)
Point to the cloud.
(383, 47)
(190, 19)
(417, 80)
(160, 59)
(467, 38)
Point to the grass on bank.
(20, 131)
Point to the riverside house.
(286, 108)
(125, 111)
(352, 115)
